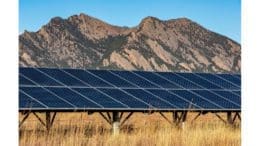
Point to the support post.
(238, 116)
(23, 120)
(179, 117)
(229, 118)
(115, 123)
(48, 121)
(183, 119)
(175, 116)
(108, 120)
(165, 118)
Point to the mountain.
(82, 41)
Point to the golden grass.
(78, 129)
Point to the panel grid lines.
(226, 80)
(119, 89)
(196, 94)
(20, 90)
(37, 85)
(96, 89)
(202, 87)
(166, 90)
(70, 88)
(149, 92)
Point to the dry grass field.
(80, 129)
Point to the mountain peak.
(184, 19)
(56, 20)
(149, 19)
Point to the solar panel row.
(121, 79)
(73, 89)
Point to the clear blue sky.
(221, 16)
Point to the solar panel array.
(76, 89)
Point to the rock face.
(82, 41)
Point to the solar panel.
(204, 103)
(38, 77)
(229, 95)
(61, 77)
(152, 100)
(224, 102)
(87, 78)
(27, 102)
(24, 81)
(184, 83)
(128, 99)
(180, 101)
(154, 78)
(224, 84)
(198, 80)
(237, 76)
(46, 97)
(135, 79)
(231, 78)
(109, 77)
(106, 101)
(78, 100)
(77, 89)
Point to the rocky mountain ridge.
(82, 41)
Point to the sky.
(221, 16)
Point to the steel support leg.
(229, 118)
(48, 121)
(196, 117)
(23, 120)
(179, 117)
(175, 116)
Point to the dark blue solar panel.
(27, 102)
(198, 81)
(87, 78)
(62, 77)
(229, 95)
(231, 79)
(197, 100)
(172, 98)
(125, 98)
(24, 81)
(217, 99)
(237, 93)
(106, 75)
(237, 76)
(72, 97)
(218, 81)
(135, 79)
(38, 77)
(178, 80)
(177, 93)
(149, 98)
(157, 79)
(100, 98)
(45, 97)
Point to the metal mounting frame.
(116, 119)
(49, 119)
